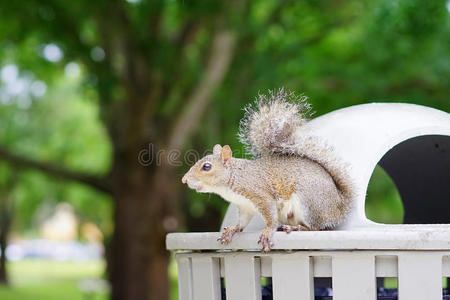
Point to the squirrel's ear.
(226, 153)
(217, 149)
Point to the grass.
(51, 280)
(55, 280)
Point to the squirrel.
(294, 183)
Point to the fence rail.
(419, 257)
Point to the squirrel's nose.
(184, 179)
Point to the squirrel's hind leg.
(290, 228)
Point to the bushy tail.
(269, 126)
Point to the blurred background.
(104, 104)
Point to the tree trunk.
(144, 206)
(5, 220)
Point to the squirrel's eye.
(206, 167)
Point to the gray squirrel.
(294, 183)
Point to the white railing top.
(381, 237)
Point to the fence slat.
(292, 276)
(184, 278)
(419, 276)
(353, 276)
(206, 278)
(242, 277)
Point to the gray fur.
(269, 126)
(271, 120)
(292, 180)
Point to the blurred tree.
(28, 127)
(154, 66)
(8, 180)
(88, 149)
(145, 48)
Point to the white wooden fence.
(418, 255)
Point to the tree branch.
(175, 69)
(222, 51)
(55, 170)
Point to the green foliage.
(65, 128)
(383, 203)
(338, 53)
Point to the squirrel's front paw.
(265, 239)
(227, 234)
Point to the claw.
(265, 240)
(227, 234)
(290, 228)
(285, 228)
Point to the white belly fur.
(233, 197)
(292, 205)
